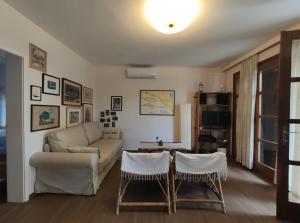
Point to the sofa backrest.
(93, 131)
(62, 139)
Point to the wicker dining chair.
(202, 168)
(145, 167)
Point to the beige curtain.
(246, 112)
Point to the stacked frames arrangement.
(78, 99)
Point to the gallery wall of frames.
(78, 99)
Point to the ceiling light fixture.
(171, 16)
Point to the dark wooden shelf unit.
(212, 104)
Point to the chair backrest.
(145, 163)
(201, 163)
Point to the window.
(266, 134)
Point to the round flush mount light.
(171, 16)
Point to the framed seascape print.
(87, 112)
(44, 117)
(87, 95)
(35, 93)
(157, 102)
(51, 84)
(37, 58)
(116, 103)
(74, 116)
(71, 93)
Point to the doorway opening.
(2, 128)
(266, 118)
(11, 128)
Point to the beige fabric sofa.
(77, 159)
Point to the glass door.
(288, 177)
(266, 126)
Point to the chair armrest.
(64, 160)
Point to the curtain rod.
(259, 52)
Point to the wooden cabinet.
(212, 122)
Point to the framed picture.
(114, 118)
(44, 117)
(157, 102)
(106, 125)
(71, 93)
(51, 84)
(102, 119)
(107, 119)
(37, 58)
(87, 95)
(116, 103)
(113, 124)
(113, 113)
(74, 116)
(87, 112)
(102, 114)
(35, 93)
(107, 112)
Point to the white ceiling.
(115, 32)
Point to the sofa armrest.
(59, 159)
(71, 173)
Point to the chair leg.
(119, 196)
(221, 195)
(174, 192)
(168, 194)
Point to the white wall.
(16, 34)
(111, 81)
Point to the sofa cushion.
(62, 139)
(93, 131)
(111, 133)
(109, 148)
(79, 149)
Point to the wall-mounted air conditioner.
(140, 73)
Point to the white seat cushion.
(109, 149)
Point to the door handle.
(285, 135)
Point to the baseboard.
(31, 196)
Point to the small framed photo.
(87, 112)
(116, 103)
(114, 118)
(107, 119)
(102, 120)
(106, 125)
(37, 58)
(113, 124)
(44, 117)
(74, 116)
(35, 93)
(102, 114)
(87, 95)
(107, 112)
(51, 84)
(113, 113)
